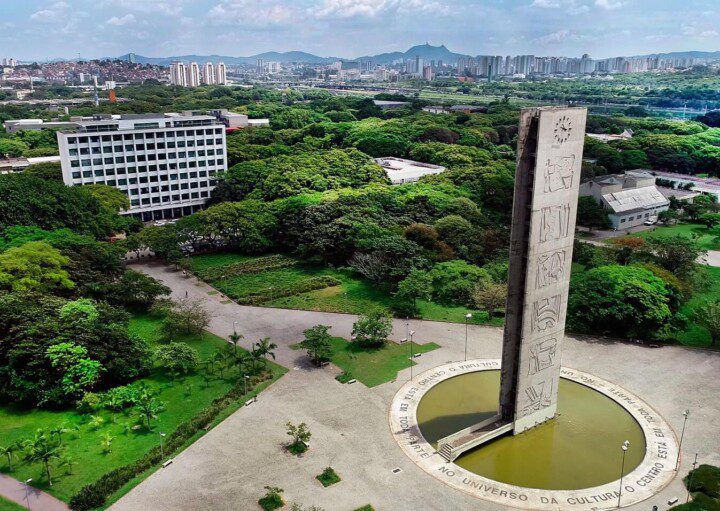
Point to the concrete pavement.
(228, 467)
(14, 490)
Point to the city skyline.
(41, 30)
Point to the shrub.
(705, 479)
(272, 499)
(328, 477)
(177, 358)
(372, 330)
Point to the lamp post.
(677, 462)
(410, 336)
(467, 318)
(27, 492)
(162, 445)
(624, 448)
(234, 327)
(692, 474)
(245, 383)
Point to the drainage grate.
(396, 470)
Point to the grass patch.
(353, 294)
(705, 237)
(328, 477)
(366, 507)
(6, 505)
(344, 377)
(376, 366)
(696, 335)
(82, 443)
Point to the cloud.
(124, 20)
(50, 14)
(165, 7)
(555, 37)
(249, 13)
(546, 4)
(609, 4)
(709, 33)
(344, 9)
(570, 6)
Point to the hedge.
(311, 284)
(95, 494)
(256, 265)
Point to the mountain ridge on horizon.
(425, 51)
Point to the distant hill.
(290, 56)
(703, 55)
(424, 51)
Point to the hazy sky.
(41, 29)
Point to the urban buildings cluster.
(525, 65)
(9, 62)
(81, 72)
(192, 75)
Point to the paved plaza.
(228, 467)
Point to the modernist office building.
(165, 163)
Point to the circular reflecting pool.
(579, 449)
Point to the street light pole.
(245, 382)
(624, 448)
(677, 462)
(412, 332)
(467, 318)
(162, 446)
(27, 492)
(692, 474)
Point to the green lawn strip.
(83, 444)
(705, 237)
(354, 295)
(221, 417)
(366, 507)
(377, 366)
(6, 505)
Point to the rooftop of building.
(635, 199)
(400, 170)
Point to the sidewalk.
(14, 490)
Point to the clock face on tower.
(563, 128)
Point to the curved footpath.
(14, 490)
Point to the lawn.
(353, 295)
(705, 237)
(374, 367)
(6, 505)
(183, 398)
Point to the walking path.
(228, 467)
(14, 490)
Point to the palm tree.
(43, 449)
(58, 431)
(265, 348)
(67, 461)
(9, 452)
(148, 408)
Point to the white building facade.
(208, 73)
(178, 74)
(167, 164)
(220, 74)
